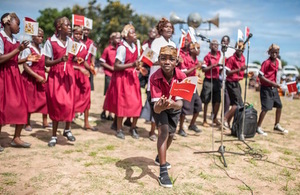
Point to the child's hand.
(33, 58)
(243, 68)
(41, 79)
(92, 69)
(23, 45)
(163, 103)
(64, 58)
(79, 60)
(84, 71)
(199, 65)
(137, 64)
(143, 71)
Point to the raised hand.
(80, 60)
(33, 58)
(23, 45)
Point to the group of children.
(67, 88)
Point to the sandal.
(69, 135)
(153, 137)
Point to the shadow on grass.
(141, 162)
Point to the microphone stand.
(221, 149)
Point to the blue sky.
(276, 21)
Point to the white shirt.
(27, 51)
(48, 47)
(121, 51)
(13, 41)
(155, 46)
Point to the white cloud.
(224, 13)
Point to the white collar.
(13, 40)
(36, 50)
(131, 48)
(54, 38)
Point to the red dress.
(82, 84)
(60, 88)
(123, 96)
(88, 43)
(35, 91)
(13, 101)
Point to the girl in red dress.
(34, 79)
(13, 101)
(123, 96)
(82, 83)
(60, 88)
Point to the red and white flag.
(73, 47)
(192, 34)
(148, 56)
(240, 36)
(93, 50)
(31, 27)
(77, 20)
(88, 23)
(185, 89)
(247, 32)
(182, 41)
(292, 87)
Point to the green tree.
(256, 62)
(283, 62)
(112, 18)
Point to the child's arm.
(119, 66)
(107, 66)
(83, 70)
(33, 74)
(198, 66)
(262, 78)
(231, 72)
(163, 104)
(5, 57)
(49, 62)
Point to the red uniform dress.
(82, 83)
(13, 100)
(88, 43)
(60, 88)
(35, 91)
(109, 56)
(123, 96)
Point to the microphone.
(250, 35)
(203, 38)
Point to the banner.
(148, 56)
(185, 89)
(31, 27)
(192, 34)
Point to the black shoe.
(164, 180)
(103, 116)
(69, 135)
(156, 161)
(113, 126)
(182, 133)
(120, 134)
(109, 118)
(127, 122)
(52, 142)
(134, 133)
(194, 128)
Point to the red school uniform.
(35, 91)
(82, 82)
(189, 63)
(269, 71)
(109, 57)
(13, 100)
(123, 96)
(209, 60)
(234, 63)
(159, 86)
(183, 55)
(60, 88)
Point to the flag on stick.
(185, 89)
(31, 27)
(92, 50)
(88, 23)
(148, 56)
(247, 32)
(240, 36)
(77, 20)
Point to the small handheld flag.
(92, 50)
(148, 56)
(292, 87)
(31, 27)
(185, 89)
(240, 36)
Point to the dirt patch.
(99, 163)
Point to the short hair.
(126, 30)
(77, 28)
(273, 47)
(114, 34)
(61, 20)
(226, 36)
(161, 25)
(56, 22)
